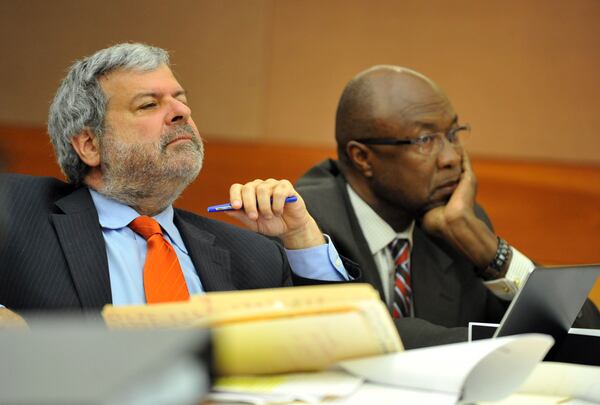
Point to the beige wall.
(525, 74)
(218, 48)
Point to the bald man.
(400, 201)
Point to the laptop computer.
(549, 301)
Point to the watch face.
(502, 255)
(495, 269)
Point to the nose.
(179, 113)
(450, 154)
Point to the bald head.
(381, 101)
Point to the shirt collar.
(113, 214)
(378, 233)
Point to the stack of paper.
(269, 332)
(277, 330)
(486, 370)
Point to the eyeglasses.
(428, 144)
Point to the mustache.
(177, 132)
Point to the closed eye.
(147, 106)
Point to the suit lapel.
(355, 240)
(213, 264)
(435, 287)
(80, 236)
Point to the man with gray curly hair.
(79, 107)
(124, 137)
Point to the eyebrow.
(432, 127)
(157, 95)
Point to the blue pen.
(228, 207)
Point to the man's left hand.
(457, 223)
(260, 205)
(443, 220)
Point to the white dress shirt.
(379, 234)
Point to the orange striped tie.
(163, 278)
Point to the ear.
(86, 146)
(360, 157)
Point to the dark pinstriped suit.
(54, 256)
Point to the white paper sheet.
(376, 394)
(572, 380)
(462, 369)
(306, 387)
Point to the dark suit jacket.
(54, 256)
(447, 292)
(446, 289)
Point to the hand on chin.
(433, 218)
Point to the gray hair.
(80, 102)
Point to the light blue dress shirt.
(126, 252)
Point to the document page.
(464, 369)
(564, 379)
(307, 387)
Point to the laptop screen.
(549, 301)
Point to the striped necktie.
(163, 278)
(402, 297)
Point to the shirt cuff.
(518, 270)
(318, 263)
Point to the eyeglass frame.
(419, 141)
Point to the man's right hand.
(261, 207)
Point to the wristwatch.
(494, 270)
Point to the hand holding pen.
(229, 207)
(273, 208)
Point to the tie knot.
(397, 246)
(145, 226)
